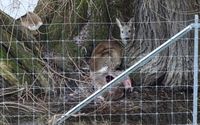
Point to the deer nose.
(127, 38)
(109, 78)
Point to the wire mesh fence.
(45, 73)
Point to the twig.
(12, 92)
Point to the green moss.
(11, 70)
(6, 73)
(27, 62)
(2, 53)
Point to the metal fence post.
(195, 86)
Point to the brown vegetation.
(44, 75)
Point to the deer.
(107, 57)
(127, 32)
(110, 53)
(31, 21)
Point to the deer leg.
(127, 84)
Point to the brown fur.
(106, 53)
(99, 80)
(116, 91)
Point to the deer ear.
(118, 23)
(130, 22)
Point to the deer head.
(126, 30)
(103, 76)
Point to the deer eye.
(129, 31)
(122, 31)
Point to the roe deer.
(31, 21)
(107, 56)
(126, 30)
(110, 53)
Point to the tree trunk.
(21, 57)
(158, 21)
